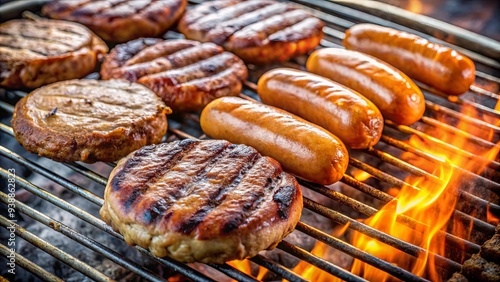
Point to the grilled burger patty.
(186, 74)
(207, 201)
(258, 31)
(35, 53)
(89, 120)
(119, 20)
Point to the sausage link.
(396, 96)
(304, 149)
(344, 112)
(430, 63)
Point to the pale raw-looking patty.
(258, 31)
(119, 20)
(35, 53)
(186, 74)
(201, 201)
(89, 120)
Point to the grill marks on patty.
(119, 20)
(185, 74)
(194, 186)
(42, 38)
(253, 24)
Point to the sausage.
(344, 112)
(304, 149)
(430, 63)
(397, 97)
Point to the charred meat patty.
(201, 201)
(186, 74)
(258, 31)
(119, 20)
(89, 120)
(35, 53)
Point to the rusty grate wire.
(338, 18)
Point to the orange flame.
(415, 6)
(360, 175)
(246, 267)
(312, 273)
(429, 202)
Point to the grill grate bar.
(276, 268)
(358, 254)
(463, 134)
(52, 250)
(30, 266)
(52, 176)
(365, 188)
(176, 266)
(77, 237)
(232, 272)
(484, 182)
(376, 234)
(479, 123)
(409, 130)
(319, 262)
(457, 242)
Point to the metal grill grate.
(337, 18)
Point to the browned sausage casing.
(344, 112)
(396, 96)
(302, 148)
(431, 63)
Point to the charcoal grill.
(475, 205)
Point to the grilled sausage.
(342, 111)
(431, 63)
(302, 148)
(396, 96)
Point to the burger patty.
(186, 74)
(35, 53)
(119, 20)
(201, 201)
(89, 120)
(258, 31)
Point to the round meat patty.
(201, 201)
(35, 53)
(258, 31)
(119, 20)
(89, 120)
(186, 74)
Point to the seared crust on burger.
(186, 74)
(258, 31)
(201, 201)
(35, 53)
(119, 21)
(89, 120)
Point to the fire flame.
(360, 175)
(431, 203)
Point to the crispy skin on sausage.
(302, 148)
(258, 31)
(208, 201)
(119, 21)
(397, 97)
(186, 74)
(438, 66)
(342, 111)
(35, 53)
